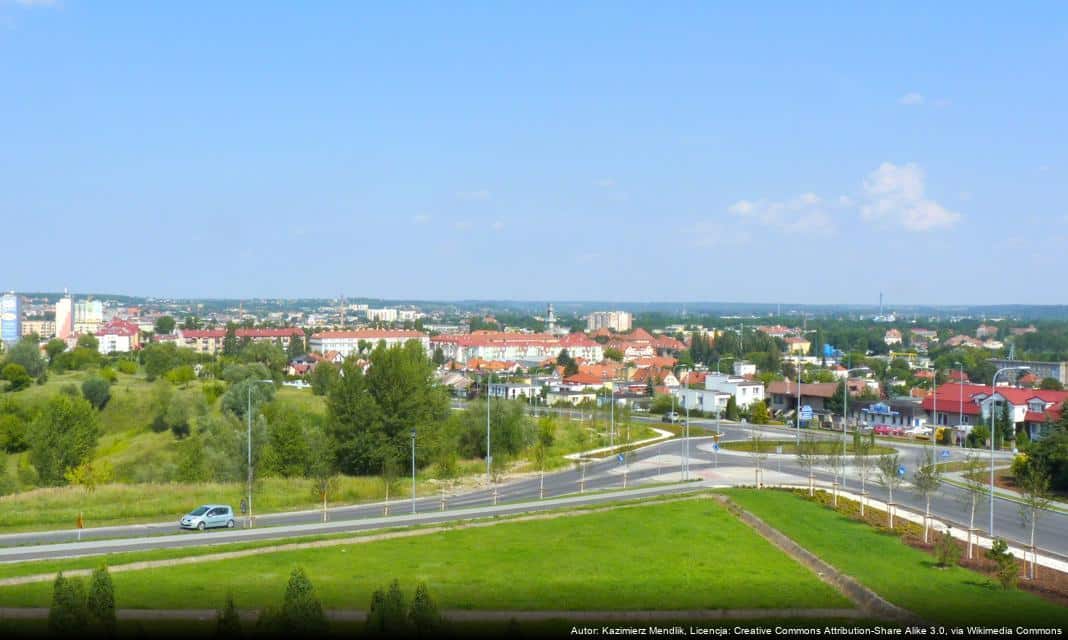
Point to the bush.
(212, 391)
(13, 433)
(16, 376)
(1007, 571)
(302, 612)
(109, 374)
(101, 600)
(97, 391)
(229, 622)
(946, 550)
(129, 367)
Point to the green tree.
(295, 348)
(68, 613)
(16, 377)
(388, 613)
(423, 615)
(231, 347)
(181, 375)
(286, 429)
(1051, 384)
(26, 354)
(946, 550)
(322, 377)
(613, 354)
(732, 408)
(158, 358)
(228, 623)
(268, 354)
(236, 398)
(975, 489)
(808, 457)
(758, 413)
(191, 323)
(97, 391)
(62, 437)
(55, 347)
(164, 325)
(302, 612)
(1007, 570)
(439, 356)
(926, 480)
(370, 414)
(88, 341)
(1035, 502)
(101, 601)
(887, 466)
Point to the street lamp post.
(489, 456)
(248, 415)
(413, 470)
(960, 384)
(797, 412)
(993, 390)
(934, 406)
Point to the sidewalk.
(938, 526)
(956, 478)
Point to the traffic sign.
(945, 454)
(901, 470)
(778, 450)
(806, 412)
(715, 446)
(619, 458)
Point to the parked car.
(208, 516)
(670, 416)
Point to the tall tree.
(164, 325)
(926, 480)
(888, 466)
(975, 489)
(62, 437)
(26, 354)
(231, 347)
(1034, 504)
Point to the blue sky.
(777, 152)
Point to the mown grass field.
(789, 447)
(903, 575)
(668, 556)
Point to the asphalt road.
(652, 463)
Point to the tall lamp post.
(248, 415)
(960, 384)
(489, 457)
(993, 390)
(934, 406)
(413, 470)
(797, 413)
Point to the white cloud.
(804, 214)
(911, 99)
(421, 218)
(712, 233)
(895, 194)
(481, 194)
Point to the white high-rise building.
(88, 316)
(618, 321)
(64, 317)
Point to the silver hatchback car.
(208, 516)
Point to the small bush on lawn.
(947, 552)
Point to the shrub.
(16, 376)
(212, 391)
(109, 374)
(1007, 570)
(302, 612)
(101, 600)
(946, 550)
(97, 391)
(229, 622)
(129, 367)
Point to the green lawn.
(903, 575)
(660, 556)
(823, 447)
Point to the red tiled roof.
(583, 378)
(118, 328)
(372, 334)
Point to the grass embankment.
(905, 576)
(116, 504)
(623, 559)
(789, 447)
